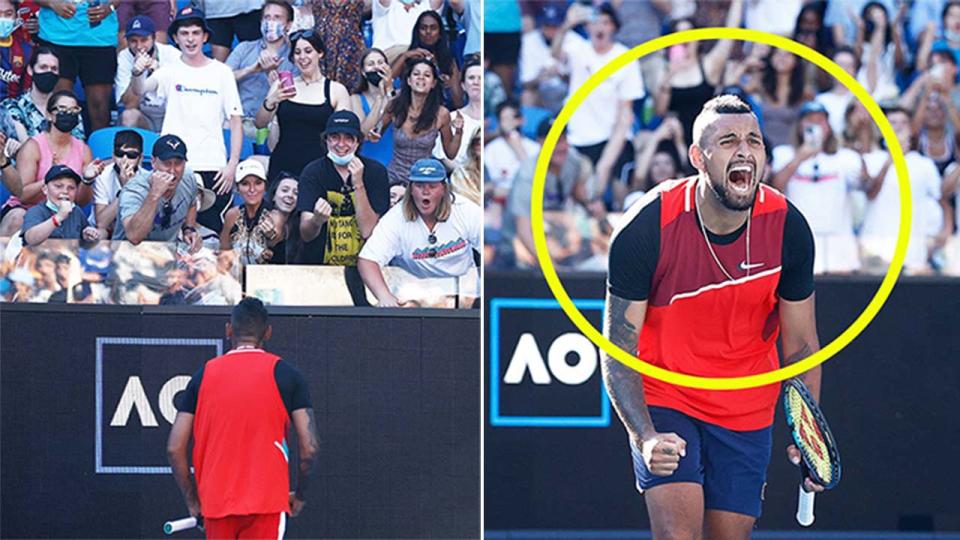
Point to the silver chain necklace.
(706, 239)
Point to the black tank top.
(688, 102)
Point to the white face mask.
(271, 30)
(340, 160)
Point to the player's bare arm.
(622, 322)
(177, 445)
(798, 335)
(305, 425)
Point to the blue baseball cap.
(428, 170)
(551, 15)
(141, 25)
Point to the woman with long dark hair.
(783, 91)
(284, 195)
(430, 42)
(375, 89)
(691, 77)
(418, 114)
(301, 110)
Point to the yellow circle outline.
(720, 383)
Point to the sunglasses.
(301, 34)
(130, 154)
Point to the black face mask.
(65, 122)
(45, 81)
(373, 77)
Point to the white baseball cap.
(251, 167)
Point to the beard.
(728, 200)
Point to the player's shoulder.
(643, 215)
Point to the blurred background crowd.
(824, 150)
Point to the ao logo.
(134, 397)
(527, 358)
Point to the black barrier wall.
(87, 406)
(556, 456)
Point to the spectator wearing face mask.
(252, 61)
(341, 196)
(229, 19)
(84, 36)
(15, 47)
(56, 146)
(375, 89)
(58, 216)
(23, 116)
(143, 54)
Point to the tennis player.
(236, 409)
(705, 273)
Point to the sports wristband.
(56, 222)
(186, 228)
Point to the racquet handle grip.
(171, 527)
(805, 507)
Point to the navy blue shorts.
(730, 465)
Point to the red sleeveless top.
(699, 322)
(240, 452)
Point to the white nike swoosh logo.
(744, 266)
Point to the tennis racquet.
(177, 525)
(818, 450)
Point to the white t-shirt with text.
(199, 101)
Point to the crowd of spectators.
(274, 131)
(824, 150)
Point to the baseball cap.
(141, 25)
(251, 167)
(189, 14)
(428, 170)
(344, 122)
(812, 107)
(169, 146)
(60, 171)
(551, 15)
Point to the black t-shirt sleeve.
(796, 274)
(377, 184)
(309, 186)
(634, 254)
(186, 401)
(292, 386)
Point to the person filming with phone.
(819, 177)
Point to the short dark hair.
(507, 103)
(249, 319)
(849, 50)
(609, 11)
(287, 8)
(129, 138)
(722, 104)
(37, 51)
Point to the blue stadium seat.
(101, 142)
(532, 116)
(246, 149)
